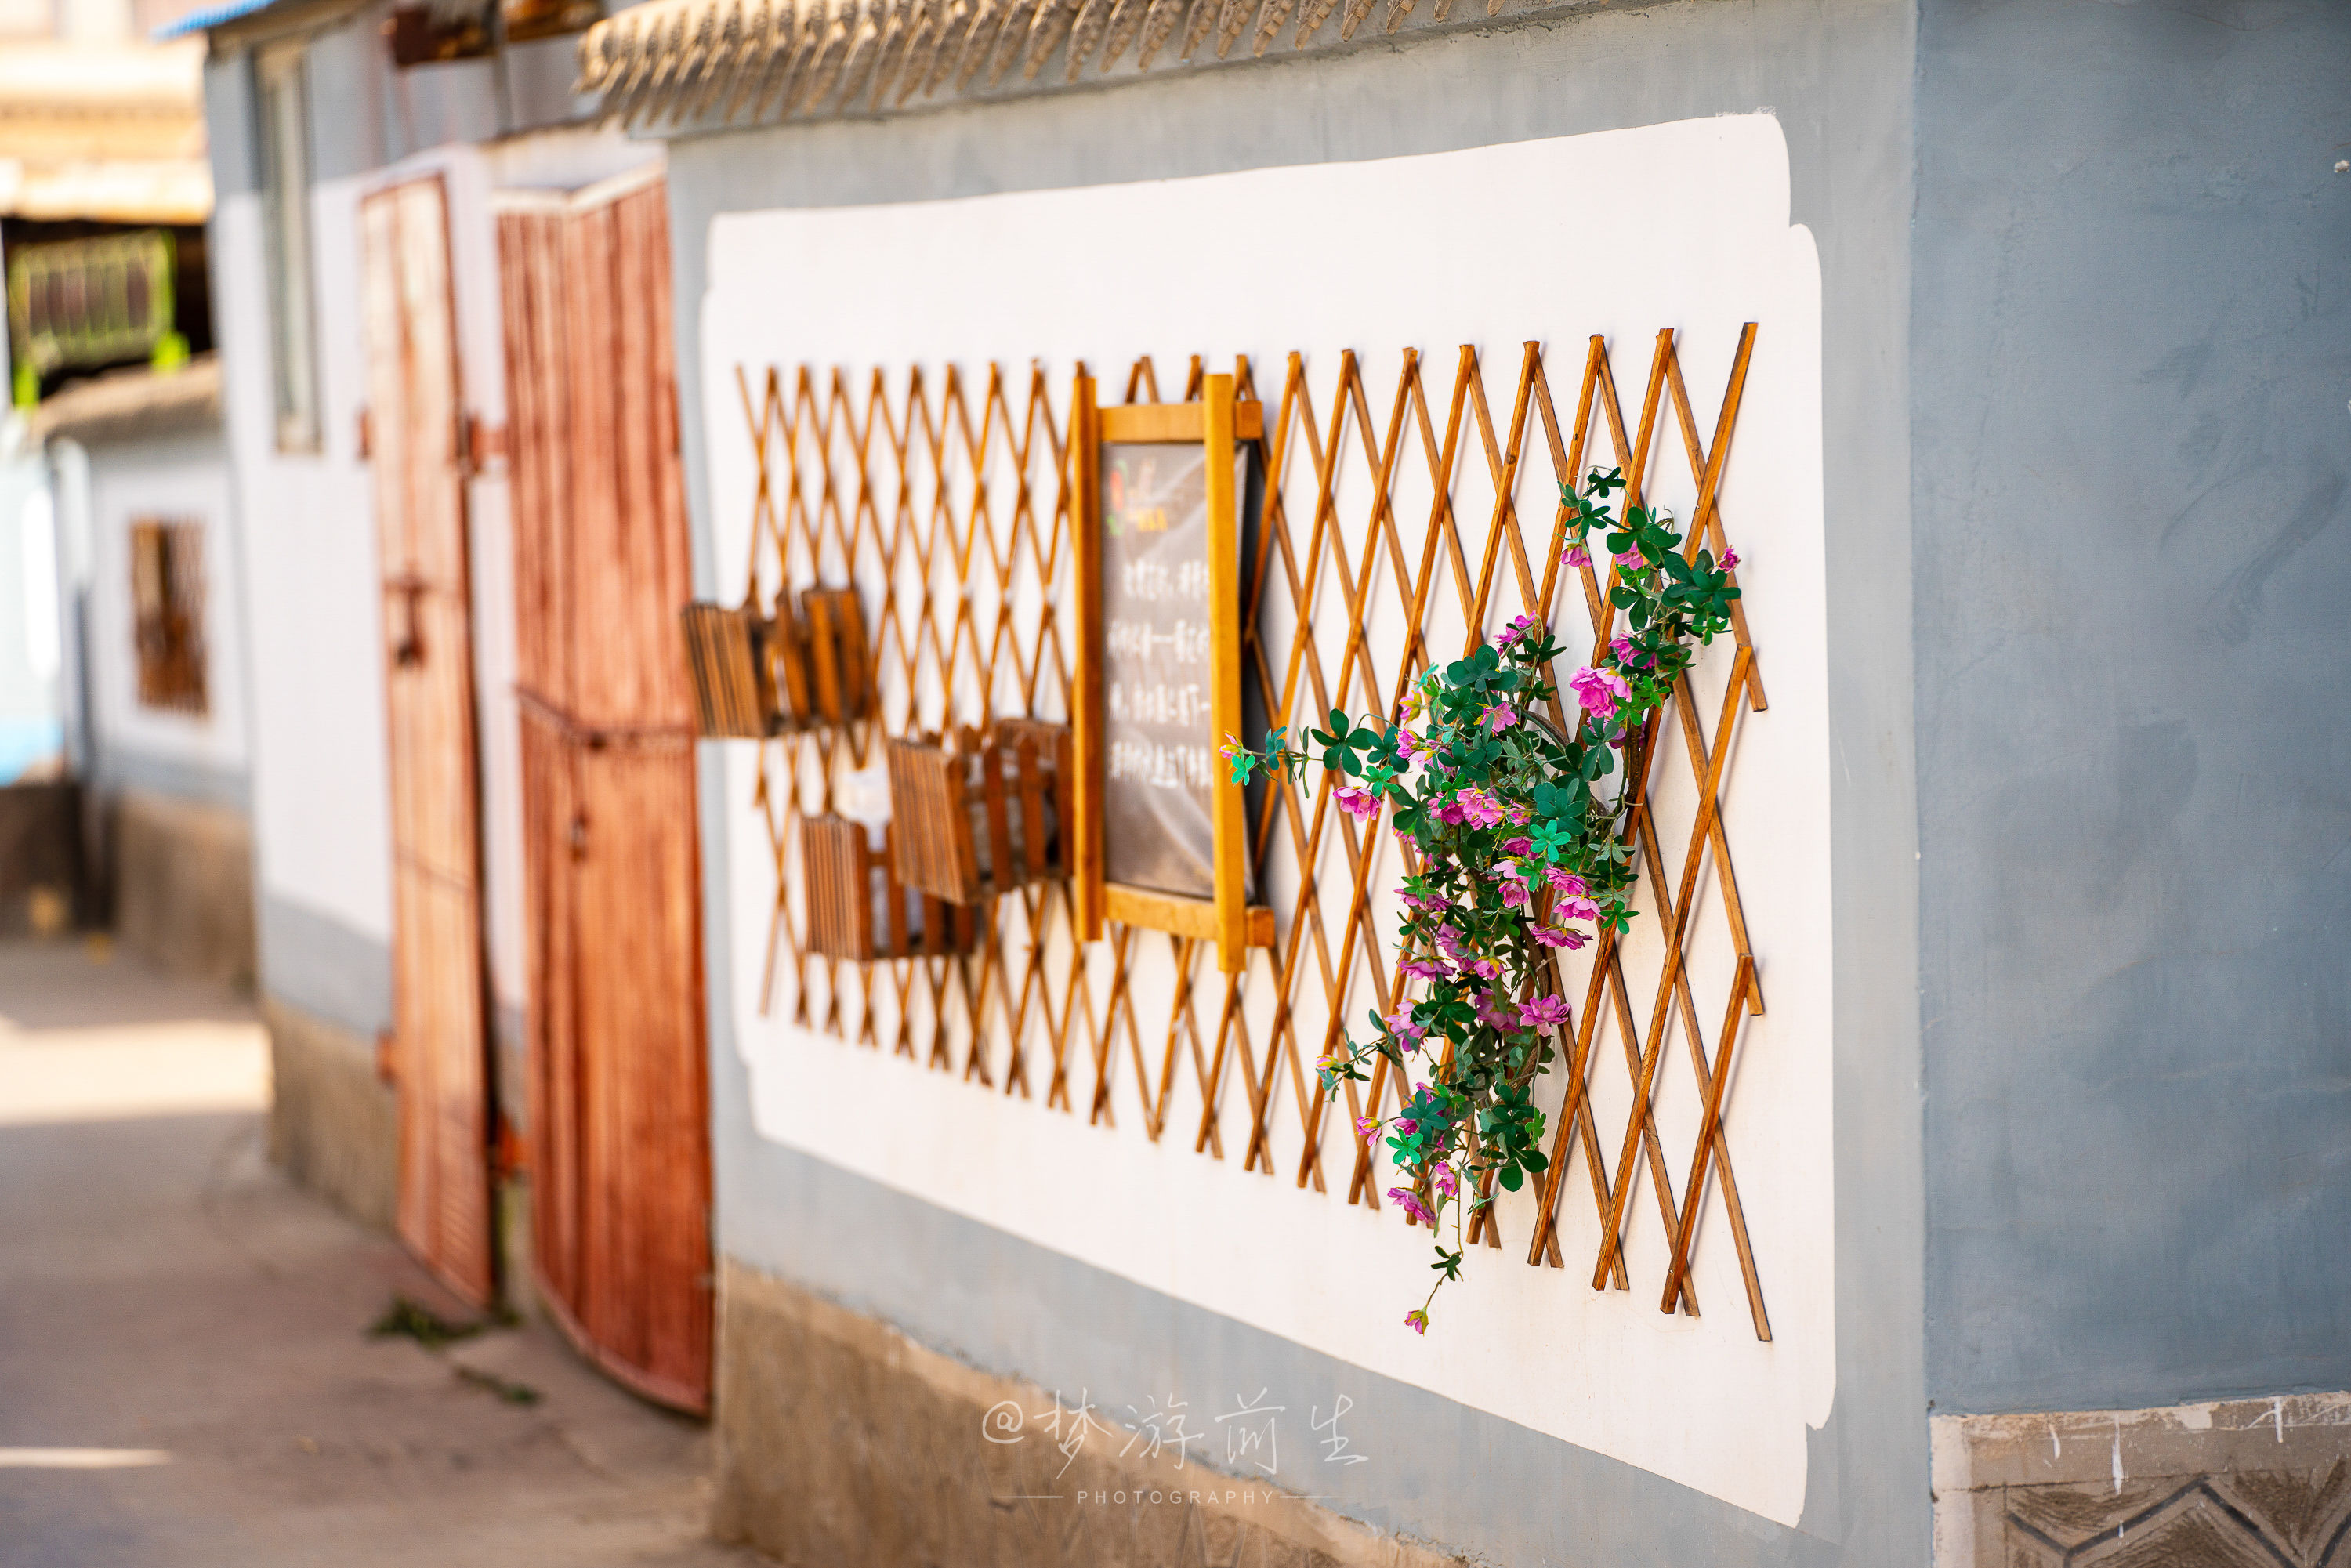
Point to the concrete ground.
(186, 1375)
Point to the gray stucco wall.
(364, 114)
(2131, 354)
(1838, 73)
(323, 966)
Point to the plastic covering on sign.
(1160, 755)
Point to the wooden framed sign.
(1162, 832)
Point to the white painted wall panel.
(321, 812)
(1488, 246)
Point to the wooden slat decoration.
(734, 682)
(979, 820)
(755, 675)
(1400, 526)
(858, 910)
(833, 638)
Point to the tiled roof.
(707, 63)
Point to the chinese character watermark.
(1159, 1429)
(1336, 1446)
(1250, 1436)
(1248, 1439)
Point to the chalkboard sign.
(1157, 670)
(1162, 835)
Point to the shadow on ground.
(186, 1375)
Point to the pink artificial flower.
(1552, 936)
(1518, 816)
(1575, 555)
(1501, 717)
(1522, 845)
(1406, 1126)
(1599, 690)
(1446, 1181)
(1357, 802)
(1566, 881)
(1424, 969)
(1572, 938)
(1514, 894)
(1484, 969)
(1729, 559)
(1404, 1197)
(1542, 1012)
(1628, 655)
(1631, 559)
(1365, 1126)
(1408, 743)
(1578, 909)
(1493, 1012)
(1479, 810)
(1416, 1321)
(1448, 942)
(1451, 811)
(1519, 627)
(1401, 1025)
(1421, 901)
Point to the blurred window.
(167, 602)
(79, 304)
(283, 102)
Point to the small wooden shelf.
(981, 818)
(857, 908)
(734, 679)
(755, 677)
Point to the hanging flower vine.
(1521, 836)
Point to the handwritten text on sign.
(1160, 754)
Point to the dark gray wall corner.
(2131, 356)
(1839, 75)
(229, 125)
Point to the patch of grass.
(511, 1392)
(409, 1319)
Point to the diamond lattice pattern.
(1403, 522)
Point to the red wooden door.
(439, 1011)
(620, 1127)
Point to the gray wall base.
(184, 886)
(2252, 1482)
(333, 1126)
(843, 1442)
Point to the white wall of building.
(1107, 273)
(31, 649)
(174, 481)
(321, 812)
(321, 806)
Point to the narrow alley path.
(186, 1377)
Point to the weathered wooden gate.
(439, 1007)
(620, 1141)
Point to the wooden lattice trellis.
(945, 500)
